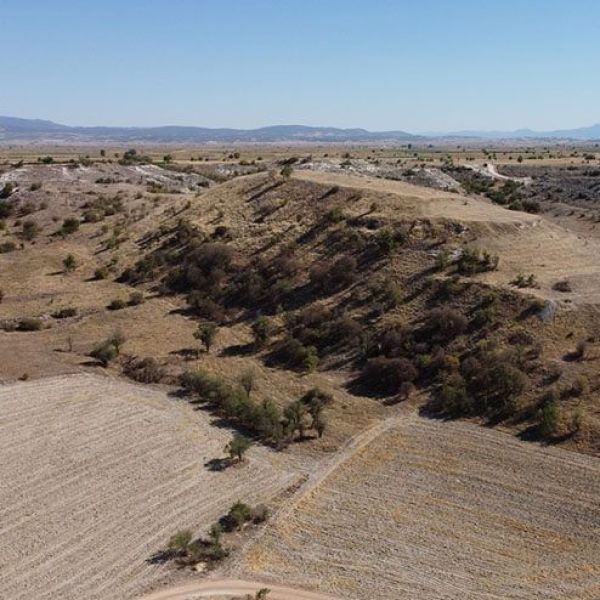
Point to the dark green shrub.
(385, 375)
(30, 229)
(117, 304)
(262, 329)
(65, 313)
(549, 419)
(474, 261)
(445, 323)
(452, 397)
(105, 353)
(69, 226)
(70, 263)
(6, 247)
(135, 298)
(388, 241)
(30, 324)
(144, 370)
(101, 273)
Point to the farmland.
(437, 510)
(98, 473)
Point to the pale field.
(96, 474)
(435, 510)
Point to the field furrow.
(97, 474)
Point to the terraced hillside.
(434, 510)
(96, 474)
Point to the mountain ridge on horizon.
(16, 129)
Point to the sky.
(414, 65)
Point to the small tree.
(247, 380)
(70, 263)
(319, 424)
(240, 513)
(30, 229)
(206, 333)
(180, 541)
(70, 225)
(105, 353)
(215, 532)
(117, 339)
(262, 330)
(287, 171)
(237, 447)
(550, 418)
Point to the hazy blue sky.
(409, 64)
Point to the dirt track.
(96, 474)
(234, 587)
(434, 510)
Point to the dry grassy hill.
(352, 269)
(372, 319)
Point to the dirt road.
(490, 170)
(234, 587)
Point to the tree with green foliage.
(105, 353)
(7, 190)
(247, 379)
(206, 333)
(238, 446)
(287, 171)
(262, 329)
(117, 339)
(30, 230)
(70, 225)
(215, 533)
(180, 541)
(70, 263)
(240, 513)
(550, 418)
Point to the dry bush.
(144, 370)
(386, 375)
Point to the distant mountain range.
(582, 133)
(15, 130)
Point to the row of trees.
(263, 419)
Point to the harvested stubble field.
(96, 474)
(434, 510)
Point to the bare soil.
(443, 510)
(98, 473)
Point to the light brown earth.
(233, 587)
(96, 474)
(435, 510)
